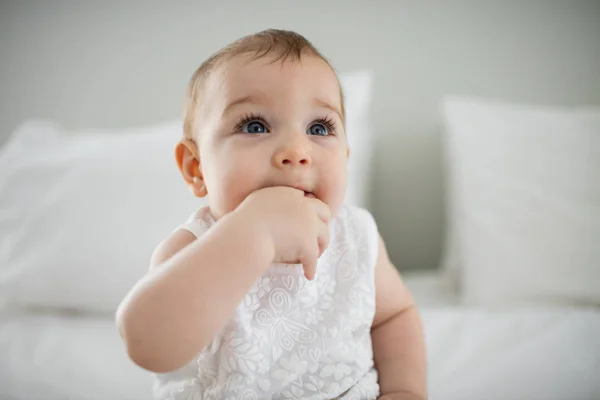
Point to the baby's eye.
(318, 129)
(254, 127)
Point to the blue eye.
(318, 130)
(254, 127)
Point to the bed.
(474, 353)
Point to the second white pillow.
(524, 186)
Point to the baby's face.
(269, 124)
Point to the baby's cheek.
(335, 181)
(237, 186)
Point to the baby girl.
(276, 289)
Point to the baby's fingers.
(321, 209)
(323, 238)
(309, 263)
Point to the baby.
(276, 289)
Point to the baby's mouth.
(302, 188)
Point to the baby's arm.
(191, 292)
(397, 335)
(194, 286)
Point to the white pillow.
(524, 195)
(81, 212)
(357, 87)
(81, 215)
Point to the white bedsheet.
(473, 354)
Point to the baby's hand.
(296, 225)
(400, 396)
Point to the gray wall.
(109, 64)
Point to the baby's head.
(267, 110)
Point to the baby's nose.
(291, 155)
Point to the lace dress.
(290, 337)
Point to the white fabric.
(524, 203)
(71, 204)
(71, 208)
(357, 88)
(59, 357)
(545, 354)
(513, 354)
(430, 289)
(290, 337)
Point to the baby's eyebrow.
(252, 99)
(325, 104)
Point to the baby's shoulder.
(354, 227)
(181, 236)
(197, 223)
(171, 245)
(356, 218)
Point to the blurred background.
(119, 64)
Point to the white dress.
(290, 337)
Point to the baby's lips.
(302, 188)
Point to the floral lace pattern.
(290, 337)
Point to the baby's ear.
(188, 161)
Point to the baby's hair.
(281, 45)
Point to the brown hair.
(282, 45)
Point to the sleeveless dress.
(291, 337)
